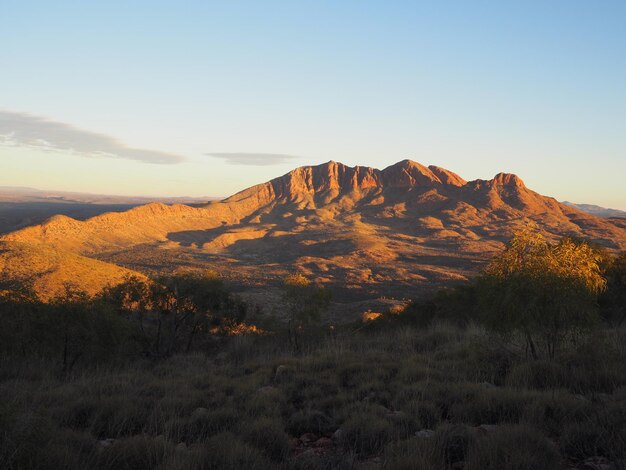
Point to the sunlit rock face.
(365, 231)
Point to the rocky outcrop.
(356, 226)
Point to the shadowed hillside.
(366, 232)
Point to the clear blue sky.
(129, 97)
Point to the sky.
(183, 98)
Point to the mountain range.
(364, 232)
(598, 210)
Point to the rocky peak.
(508, 179)
(335, 176)
(408, 173)
(447, 176)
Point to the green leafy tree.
(305, 302)
(542, 290)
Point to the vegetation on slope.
(441, 385)
(47, 270)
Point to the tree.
(19, 312)
(194, 302)
(613, 300)
(544, 291)
(305, 301)
(83, 328)
(172, 310)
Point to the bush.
(365, 433)
(452, 443)
(135, 453)
(493, 406)
(267, 435)
(602, 433)
(583, 439)
(538, 375)
(551, 413)
(203, 425)
(23, 437)
(304, 421)
(225, 450)
(413, 454)
(512, 448)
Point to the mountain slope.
(335, 187)
(366, 231)
(49, 269)
(597, 210)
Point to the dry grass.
(235, 410)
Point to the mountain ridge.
(407, 226)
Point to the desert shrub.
(174, 429)
(425, 413)
(412, 371)
(458, 304)
(69, 450)
(24, 437)
(583, 439)
(135, 453)
(493, 406)
(488, 362)
(452, 443)
(265, 403)
(594, 366)
(538, 375)
(551, 412)
(600, 433)
(351, 375)
(512, 448)
(613, 300)
(307, 461)
(445, 396)
(119, 417)
(435, 339)
(71, 329)
(314, 421)
(77, 414)
(365, 433)
(304, 301)
(267, 435)
(226, 450)
(413, 454)
(200, 426)
(418, 314)
(542, 291)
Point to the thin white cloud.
(254, 159)
(27, 130)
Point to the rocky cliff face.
(423, 189)
(338, 178)
(404, 226)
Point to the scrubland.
(385, 395)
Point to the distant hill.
(47, 269)
(366, 232)
(24, 194)
(21, 207)
(597, 210)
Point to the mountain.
(597, 210)
(21, 207)
(48, 269)
(366, 232)
(21, 194)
